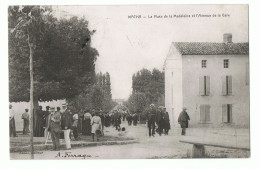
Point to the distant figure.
(112, 119)
(159, 120)
(45, 119)
(96, 126)
(101, 115)
(122, 132)
(129, 119)
(66, 123)
(25, 117)
(166, 121)
(107, 120)
(87, 124)
(39, 126)
(135, 119)
(151, 119)
(117, 119)
(12, 130)
(75, 126)
(55, 128)
(183, 120)
(124, 115)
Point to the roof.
(209, 48)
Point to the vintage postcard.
(128, 82)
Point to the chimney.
(227, 38)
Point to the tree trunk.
(31, 97)
(35, 106)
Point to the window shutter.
(224, 86)
(224, 113)
(201, 86)
(207, 113)
(230, 109)
(229, 85)
(207, 85)
(202, 113)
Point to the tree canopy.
(64, 61)
(148, 87)
(96, 95)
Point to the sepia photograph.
(128, 82)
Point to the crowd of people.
(160, 118)
(62, 123)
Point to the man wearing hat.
(66, 124)
(159, 120)
(25, 117)
(151, 119)
(12, 130)
(183, 120)
(166, 121)
(54, 125)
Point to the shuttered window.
(227, 113)
(227, 85)
(204, 85)
(204, 113)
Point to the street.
(147, 148)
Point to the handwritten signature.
(70, 155)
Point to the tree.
(64, 60)
(96, 95)
(49, 58)
(148, 87)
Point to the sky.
(127, 45)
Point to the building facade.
(211, 80)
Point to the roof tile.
(209, 48)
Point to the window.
(204, 63)
(227, 85)
(204, 85)
(247, 73)
(204, 113)
(227, 113)
(226, 63)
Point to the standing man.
(54, 125)
(45, 120)
(183, 120)
(135, 119)
(66, 123)
(25, 117)
(129, 119)
(12, 130)
(75, 118)
(166, 121)
(117, 119)
(151, 119)
(39, 128)
(160, 120)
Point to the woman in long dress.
(96, 126)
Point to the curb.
(43, 147)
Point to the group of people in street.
(159, 117)
(132, 118)
(60, 123)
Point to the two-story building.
(211, 80)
